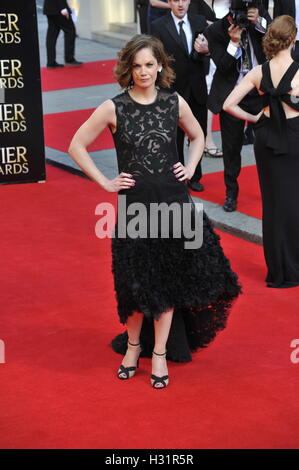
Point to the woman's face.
(144, 68)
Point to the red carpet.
(61, 127)
(58, 385)
(90, 73)
(249, 201)
(216, 123)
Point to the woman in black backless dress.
(277, 149)
(172, 299)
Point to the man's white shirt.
(186, 28)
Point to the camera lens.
(242, 20)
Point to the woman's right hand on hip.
(122, 181)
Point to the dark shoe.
(74, 63)
(230, 204)
(126, 370)
(55, 66)
(159, 380)
(196, 186)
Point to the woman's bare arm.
(159, 4)
(102, 117)
(191, 127)
(250, 81)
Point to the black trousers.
(295, 52)
(200, 112)
(232, 130)
(56, 23)
(142, 10)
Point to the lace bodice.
(145, 138)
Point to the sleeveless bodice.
(145, 139)
(145, 142)
(273, 97)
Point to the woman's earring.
(294, 45)
(160, 69)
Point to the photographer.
(235, 44)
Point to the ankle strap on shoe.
(157, 354)
(131, 344)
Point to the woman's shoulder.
(167, 94)
(106, 108)
(255, 75)
(168, 99)
(120, 97)
(181, 101)
(258, 69)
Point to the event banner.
(22, 153)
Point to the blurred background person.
(248, 137)
(235, 50)
(156, 9)
(289, 7)
(141, 8)
(201, 7)
(220, 8)
(59, 18)
(177, 32)
(276, 149)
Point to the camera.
(238, 11)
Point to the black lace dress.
(277, 158)
(152, 275)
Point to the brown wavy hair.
(123, 69)
(279, 35)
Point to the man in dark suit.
(289, 7)
(179, 33)
(59, 18)
(235, 51)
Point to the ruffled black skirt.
(152, 275)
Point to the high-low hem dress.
(152, 275)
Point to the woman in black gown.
(276, 149)
(172, 299)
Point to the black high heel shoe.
(127, 370)
(157, 380)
